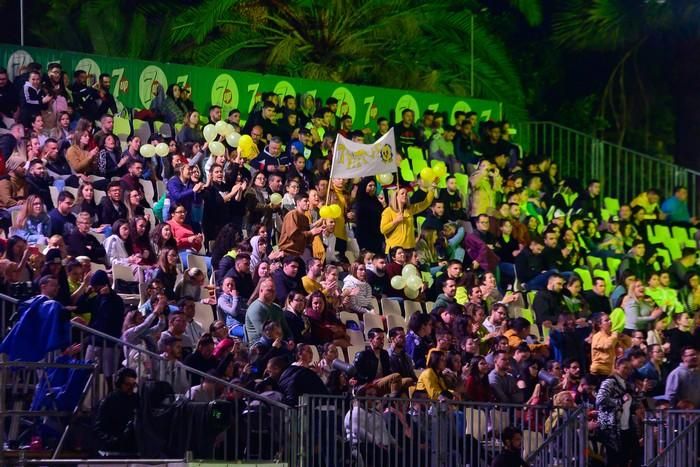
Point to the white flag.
(352, 159)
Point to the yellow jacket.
(431, 383)
(403, 234)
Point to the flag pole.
(330, 175)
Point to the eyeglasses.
(180, 212)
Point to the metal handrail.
(189, 369)
(680, 437)
(573, 418)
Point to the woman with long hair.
(174, 110)
(80, 157)
(33, 223)
(358, 289)
(133, 199)
(162, 237)
(397, 219)
(431, 379)
(191, 130)
(477, 387)
(110, 162)
(166, 271)
(115, 245)
(61, 132)
(325, 327)
(85, 202)
(604, 345)
(139, 241)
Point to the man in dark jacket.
(549, 303)
(287, 279)
(114, 425)
(112, 207)
(400, 361)
(270, 345)
(373, 364)
(297, 381)
(38, 183)
(529, 265)
(240, 272)
(80, 242)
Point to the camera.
(547, 378)
(347, 368)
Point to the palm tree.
(401, 43)
(115, 28)
(656, 42)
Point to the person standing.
(614, 403)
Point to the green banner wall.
(134, 81)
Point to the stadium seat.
(585, 276)
(605, 214)
(148, 193)
(528, 314)
(418, 165)
(122, 128)
(406, 172)
(415, 153)
(356, 337)
(354, 350)
(595, 262)
(203, 314)
(99, 194)
(54, 194)
(97, 267)
(429, 306)
(393, 321)
(410, 307)
(370, 321)
(665, 257)
(612, 205)
(613, 265)
(375, 306)
(391, 307)
(142, 130)
(124, 273)
(346, 316)
(316, 357)
(197, 261)
(475, 423)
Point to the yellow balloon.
(335, 210)
(217, 148)
(398, 282)
(385, 179)
(410, 292)
(147, 150)
(162, 149)
(220, 127)
(275, 199)
(414, 282)
(440, 170)
(233, 139)
(229, 129)
(210, 133)
(325, 212)
(248, 147)
(427, 174)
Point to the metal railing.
(672, 438)
(367, 431)
(566, 444)
(260, 428)
(624, 172)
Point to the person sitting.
(62, 220)
(287, 278)
(231, 308)
(510, 456)
(503, 384)
(111, 207)
(270, 344)
(183, 233)
(81, 242)
(431, 380)
(301, 378)
(264, 309)
(374, 366)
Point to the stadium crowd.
(533, 291)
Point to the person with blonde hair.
(33, 223)
(397, 219)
